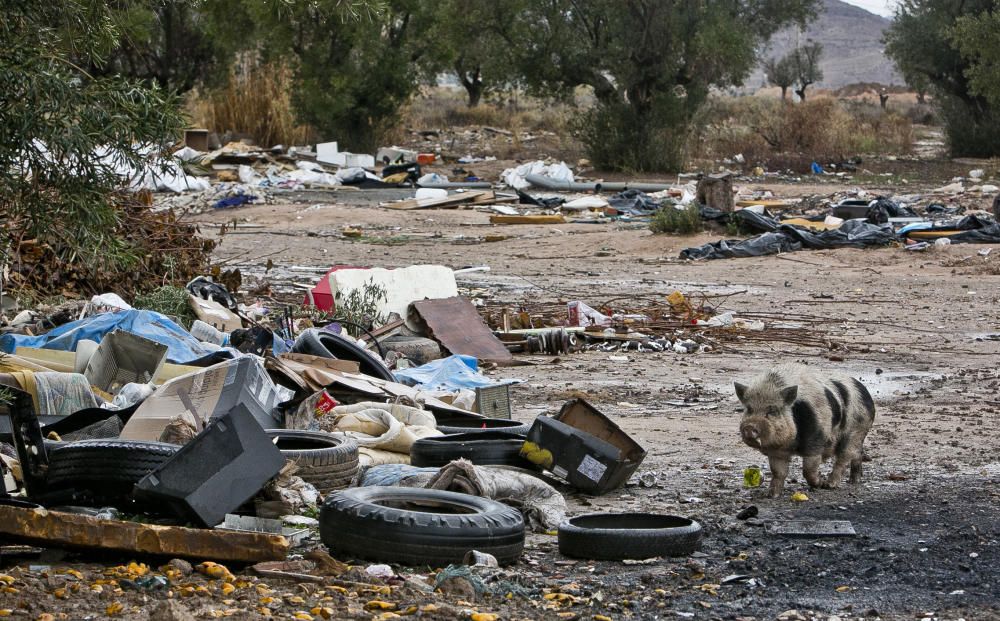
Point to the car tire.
(106, 469)
(326, 461)
(328, 345)
(482, 425)
(417, 349)
(619, 536)
(418, 526)
(492, 448)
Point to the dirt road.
(918, 328)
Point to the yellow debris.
(114, 608)
(305, 616)
(214, 570)
(61, 593)
(323, 611)
(601, 618)
(73, 572)
(46, 617)
(799, 497)
(377, 604)
(227, 588)
(712, 589)
(96, 588)
(264, 612)
(6, 579)
(5, 612)
(266, 600)
(843, 589)
(295, 599)
(429, 608)
(484, 616)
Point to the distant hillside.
(852, 46)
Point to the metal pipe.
(548, 183)
(451, 185)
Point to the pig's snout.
(750, 433)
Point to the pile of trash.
(228, 426)
(851, 223)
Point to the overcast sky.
(881, 7)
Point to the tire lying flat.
(489, 448)
(418, 526)
(619, 536)
(326, 461)
(483, 425)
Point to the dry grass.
(256, 101)
(777, 134)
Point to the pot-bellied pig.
(794, 410)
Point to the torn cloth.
(57, 394)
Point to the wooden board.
(69, 530)
(445, 202)
(767, 203)
(555, 219)
(931, 234)
(456, 324)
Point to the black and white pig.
(795, 410)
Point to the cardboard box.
(209, 393)
(584, 447)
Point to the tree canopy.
(943, 45)
(650, 63)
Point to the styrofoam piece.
(359, 160)
(327, 153)
(430, 193)
(402, 286)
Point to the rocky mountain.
(852, 46)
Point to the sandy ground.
(914, 327)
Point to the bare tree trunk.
(784, 93)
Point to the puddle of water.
(885, 385)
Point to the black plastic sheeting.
(788, 238)
(989, 234)
(634, 203)
(883, 208)
(552, 202)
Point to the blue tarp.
(451, 373)
(182, 348)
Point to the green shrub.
(677, 220)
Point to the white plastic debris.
(515, 177)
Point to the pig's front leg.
(779, 470)
(810, 470)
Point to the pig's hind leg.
(848, 454)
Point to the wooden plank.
(56, 529)
(446, 202)
(931, 234)
(456, 324)
(771, 202)
(554, 219)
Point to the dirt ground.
(918, 328)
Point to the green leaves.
(65, 134)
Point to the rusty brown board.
(68, 530)
(456, 324)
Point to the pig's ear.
(789, 394)
(741, 390)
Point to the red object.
(325, 404)
(425, 159)
(320, 296)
